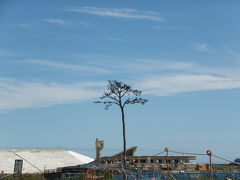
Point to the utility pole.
(168, 166)
(209, 153)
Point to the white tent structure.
(37, 161)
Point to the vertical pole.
(209, 153)
(210, 161)
(168, 169)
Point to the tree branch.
(135, 101)
(107, 103)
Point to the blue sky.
(57, 56)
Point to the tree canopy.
(121, 94)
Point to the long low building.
(145, 162)
(37, 161)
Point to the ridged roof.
(35, 161)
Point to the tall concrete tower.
(99, 147)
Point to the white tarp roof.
(33, 160)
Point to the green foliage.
(95, 175)
(81, 176)
(27, 177)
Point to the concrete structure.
(99, 146)
(147, 162)
(37, 161)
(136, 164)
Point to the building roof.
(129, 152)
(35, 161)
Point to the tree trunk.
(124, 137)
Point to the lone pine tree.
(121, 95)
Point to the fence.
(203, 176)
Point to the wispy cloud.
(139, 65)
(56, 21)
(203, 47)
(155, 77)
(233, 52)
(21, 94)
(183, 83)
(23, 25)
(68, 67)
(26, 25)
(5, 53)
(118, 13)
(162, 78)
(159, 77)
(145, 66)
(156, 65)
(16, 94)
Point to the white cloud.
(23, 25)
(117, 13)
(182, 83)
(233, 53)
(11, 54)
(69, 23)
(146, 67)
(21, 94)
(142, 66)
(24, 94)
(68, 67)
(154, 65)
(56, 21)
(155, 77)
(162, 78)
(27, 26)
(203, 47)
(6, 53)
